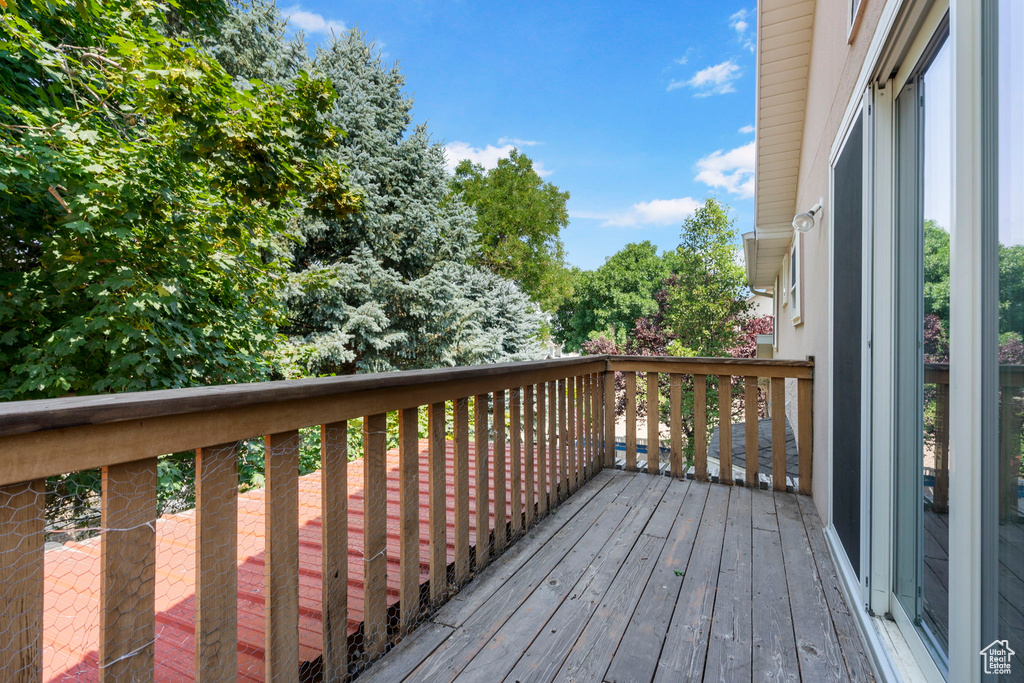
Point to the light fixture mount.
(804, 222)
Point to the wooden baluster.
(1010, 419)
(940, 489)
(608, 417)
(334, 541)
(631, 421)
(542, 449)
(529, 436)
(751, 432)
(483, 503)
(500, 509)
(216, 607)
(596, 455)
(22, 517)
(581, 434)
(128, 573)
(375, 559)
(563, 441)
(438, 504)
(516, 446)
(553, 435)
(778, 389)
(653, 419)
(675, 406)
(461, 478)
(409, 518)
(572, 436)
(588, 427)
(725, 429)
(805, 411)
(700, 427)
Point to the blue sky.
(640, 111)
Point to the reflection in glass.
(936, 113)
(1005, 159)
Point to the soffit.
(784, 33)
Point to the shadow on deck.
(639, 578)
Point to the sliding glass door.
(924, 216)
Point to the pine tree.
(385, 288)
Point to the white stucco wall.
(834, 68)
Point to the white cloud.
(739, 23)
(485, 156)
(714, 80)
(682, 60)
(732, 171)
(642, 214)
(517, 142)
(311, 22)
(746, 130)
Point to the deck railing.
(540, 431)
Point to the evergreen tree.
(375, 291)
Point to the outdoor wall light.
(804, 222)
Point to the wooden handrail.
(541, 430)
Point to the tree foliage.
(375, 290)
(609, 300)
(704, 303)
(147, 199)
(519, 221)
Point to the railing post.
(500, 509)
(631, 421)
(608, 417)
(529, 436)
(778, 388)
(334, 541)
(128, 578)
(805, 410)
(725, 429)
(700, 427)
(22, 515)
(553, 435)
(461, 477)
(676, 424)
(572, 434)
(516, 446)
(483, 503)
(216, 610)
(409, 518)
(542, 451)
(375, 530)
(653, 424)
(752, 430)
(563, 441)
(438, 502)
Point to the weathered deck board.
(638, 577)
(729, 650)
(774, 643)
(637, 655)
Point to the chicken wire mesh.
(309, 550)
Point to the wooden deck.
(639, 578)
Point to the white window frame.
(794, 279)
(855, 15)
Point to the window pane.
(936, 114)
(1003, 604)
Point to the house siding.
(834, 70)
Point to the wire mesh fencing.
(311, 550)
